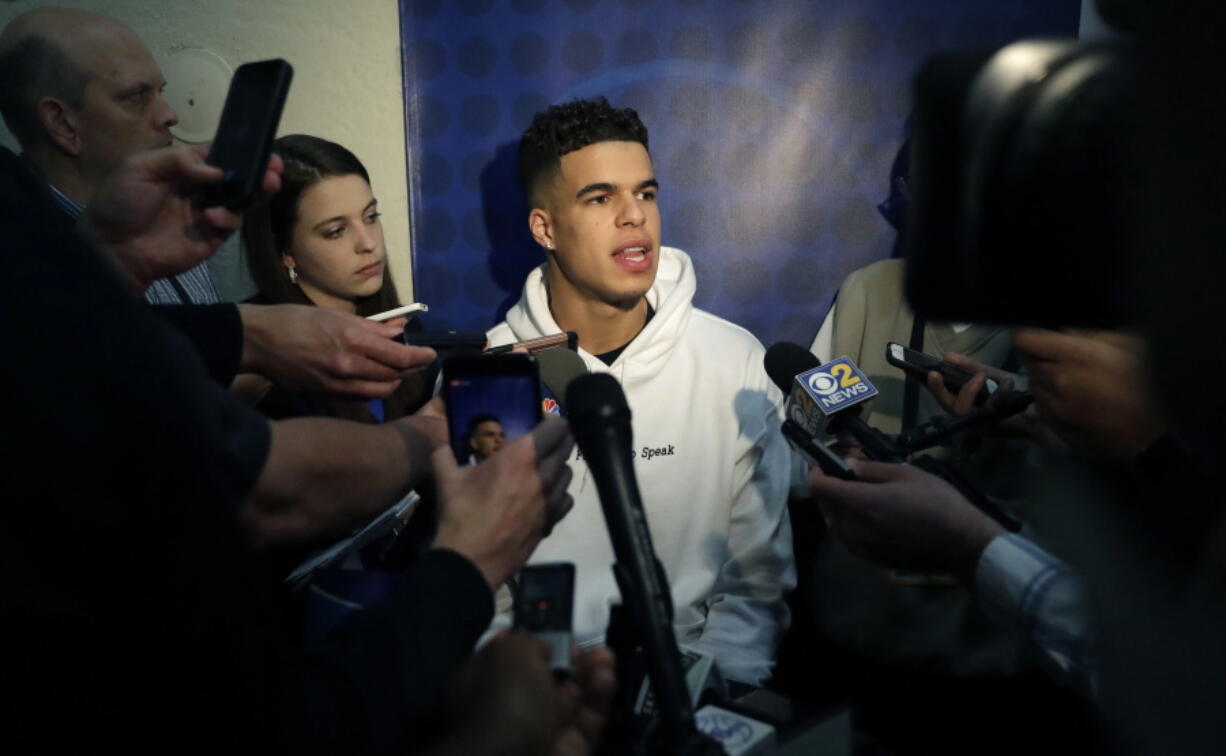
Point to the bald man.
(84, 93)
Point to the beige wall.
(347, 75)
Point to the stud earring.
(293, 276)
(548, 245)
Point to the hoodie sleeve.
(747, 613)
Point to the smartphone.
(246, 131)
(816, 453)
(544, 607)
(406, 311)
(491, 400)
(918, 365)
(445, 341)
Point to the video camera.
(1028, 168)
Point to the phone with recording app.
(491, 400)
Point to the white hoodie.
(712, 467)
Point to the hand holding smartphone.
(245, 134)
(918, 365)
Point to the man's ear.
(61, 124)
(541, 226)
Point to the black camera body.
(1020, 175)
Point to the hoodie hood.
(671, 296)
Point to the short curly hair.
(561, 129)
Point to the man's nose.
(166, 115)
(631, 213)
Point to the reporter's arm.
(1041, 598)
(319, 350)
(324, 476)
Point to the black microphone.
(786, 363)
(600, 421)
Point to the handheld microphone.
(824, 399)
(600, 420)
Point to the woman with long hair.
(319, 242)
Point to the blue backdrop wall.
(773, 126)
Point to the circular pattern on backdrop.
(749, 110)
(471, 168)
(643, 101)
(688, 227)
(475, 7)
(692, 43)
(437, 232)
(802, 38)
(582, 51)
(799, 279)
(744, 281)
(691, 166)
(481, 289)
(429, 58)
(861, 39)
(856, 223)
(634, 46)
(436, 285)
(690, 106)
(748, 225)
(425, 9)
(478, 56)
(525, 106)
(433, 118)
(474, 231)
(435, 172)
(802, 222)
(479, 114)
(747, 42)
(529, 53)
(527, 6)
(747, 164)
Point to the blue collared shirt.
(1043, 598)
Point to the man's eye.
(648, 196)
(598, 200)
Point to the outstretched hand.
(146, 216)
(320, 350)
(496, 512)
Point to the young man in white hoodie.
(710, 460)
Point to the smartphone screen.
(491, 401)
